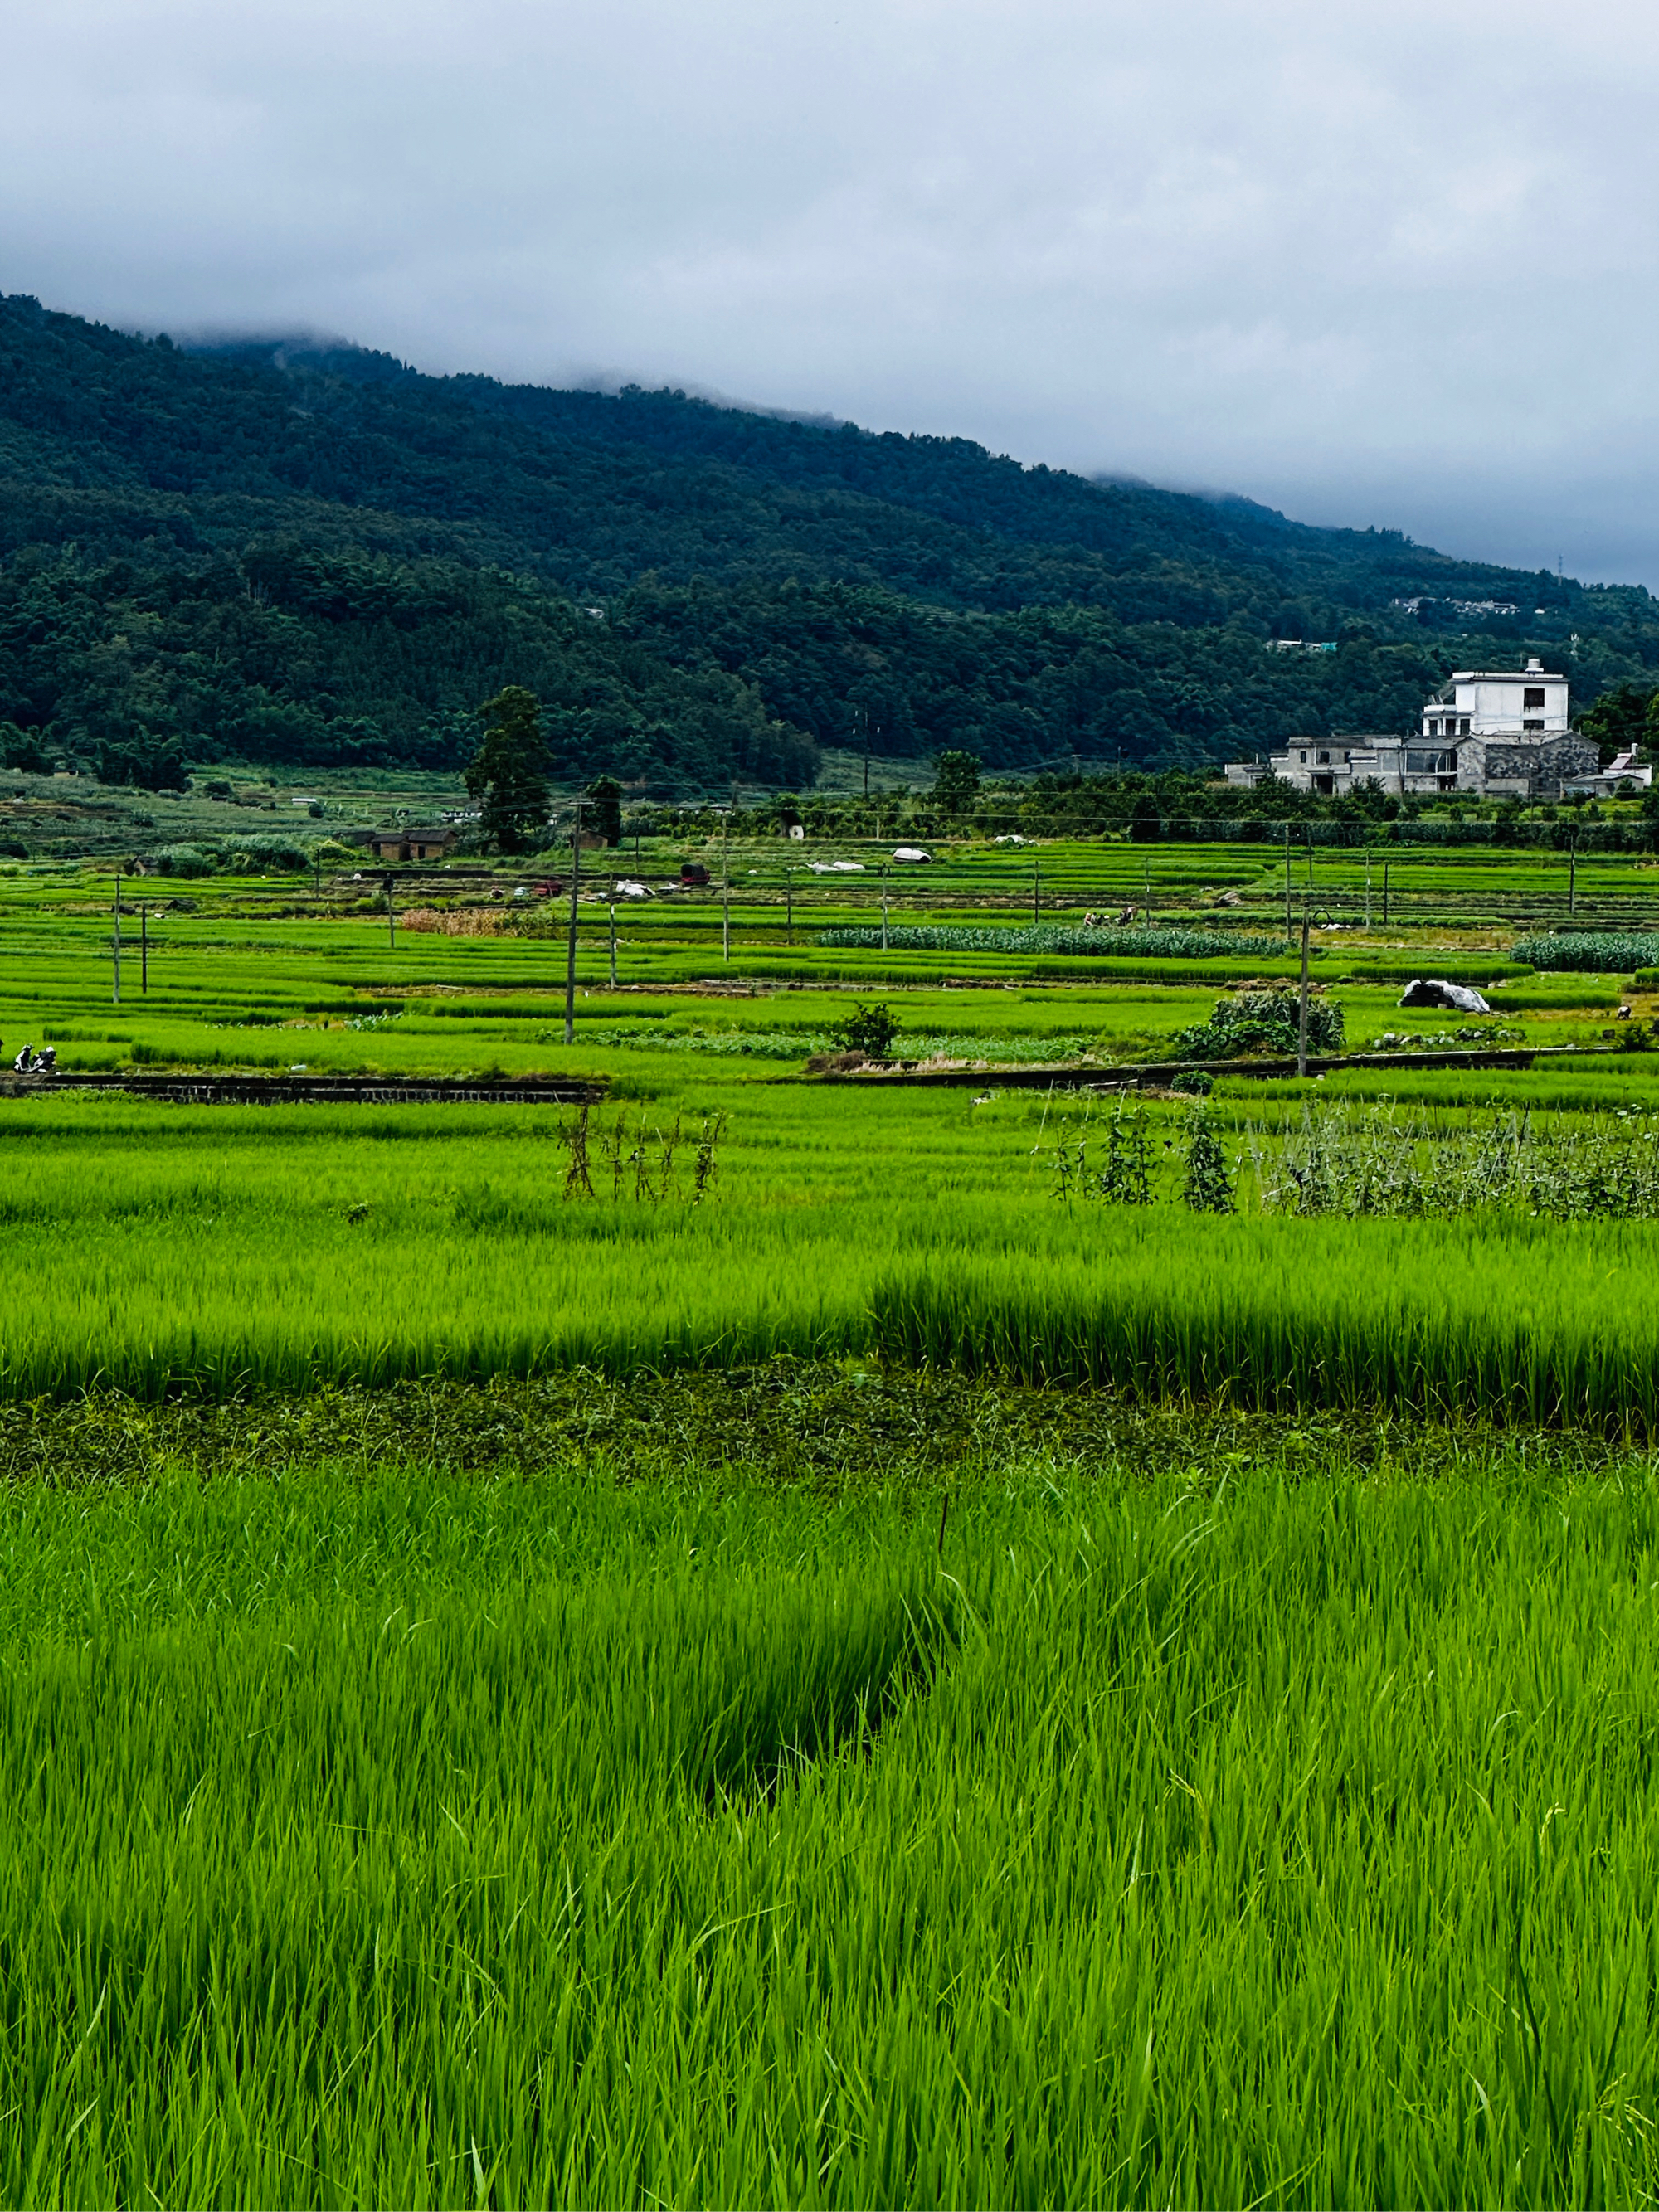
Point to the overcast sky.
(1369, 263)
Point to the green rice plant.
(1502, 1317)
(397, 1834)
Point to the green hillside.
(320, 557)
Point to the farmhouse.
(1498, 733)
(413, 844)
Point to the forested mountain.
(309, 556)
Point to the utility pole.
(1302, 1012)
(1287, 880)
(118, 937)
(1572, 873)
(789, 902)
(725, 885)
(613, 944)
(1310, 856)
(391, 917)
(1036, 891)
(884, 907)
(1146, 892)
(1368, 890)
(143, 948)
(570, 942)
(1385, 894)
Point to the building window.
(1465, 726)
(1302, 758)
(1538, 726)
(1534, 697)
(1324, 760)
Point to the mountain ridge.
(305, 552)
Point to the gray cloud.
(1395, 267)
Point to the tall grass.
(375, 1839)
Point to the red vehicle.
(692, 871)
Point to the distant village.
(1494, 733)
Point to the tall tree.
(604, 809)
(507, 774)
(956, 783)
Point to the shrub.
(184, 861)
(1261, 1021)
(271, 854)
(868, 1029)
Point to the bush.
(184, 861)
(272, 854)
(869, 1029)
(1259, 1021)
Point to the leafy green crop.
(1047, 937)
(1600, 951)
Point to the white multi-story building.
(1481, 702)
(1498, 733)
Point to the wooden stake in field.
(1036, 892)
(1302, 1010)
(1368, 890)
(884, 907)
(118, 937)
(570, 939)
(1146, 888)
(789, 903)
(1385, 894)
(1572, 873)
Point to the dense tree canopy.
(312, 557)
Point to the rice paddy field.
(799, 1641)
